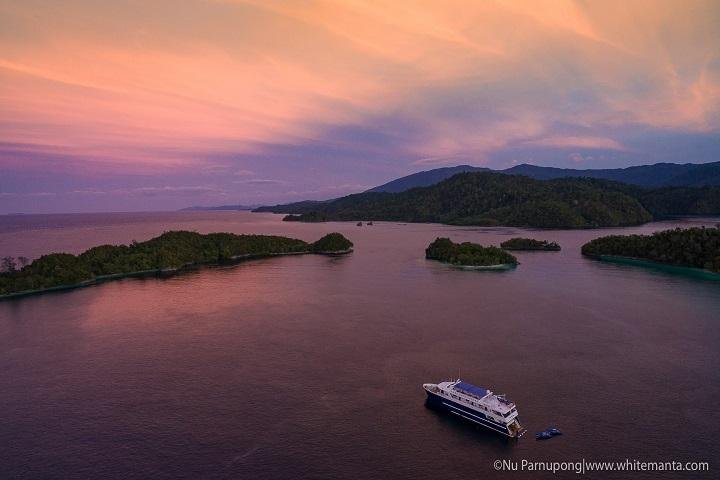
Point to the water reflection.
(311, 366)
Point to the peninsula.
(490, 199)
(697, 248)
(166, 254)
(470, 255)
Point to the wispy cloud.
(260, 181)
(440, 160)
(27, 194)
(178, 190)
(570, 141)
(364, 90)
(149, 191)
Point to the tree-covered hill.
(424, 179)
(692, 247)
(491, 199)
(669, 201)
(332, 243)
(486, 199)
(169, 251)
(650, 176)
(467, 254)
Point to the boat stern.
(515, 430)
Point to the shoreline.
(334, 253)
(531, 249)
(651, 264)
(501, 225)
(496, 267)
(161, 272)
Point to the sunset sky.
(163, 104)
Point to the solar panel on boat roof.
(468, 388)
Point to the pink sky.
(142, 105)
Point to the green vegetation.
(670, 201)
(529, 244)
(168, 252)
(467, 254)
(692, 247)
(310, 217)
(488, 199)
(332, 243)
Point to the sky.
(164, 104)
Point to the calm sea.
(311, 366)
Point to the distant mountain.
(219, 207)
(425, 178)
(297, 207)
(657, 175)
(652, 176)
(649, 176)
(493, 198)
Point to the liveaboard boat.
(476, 404)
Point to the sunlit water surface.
(312, 366)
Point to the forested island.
(490, 199)
(310, 217)
(469, 254)
(167, 253)
(332, 244)
(692, 247)
(519, 243)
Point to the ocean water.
(312, 366)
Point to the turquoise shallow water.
(660, 267)
(311, 366)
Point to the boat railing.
(502, 399)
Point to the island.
(496, 199)
(332, 244)
(312, 217)
(168, 253)
(519, 243)
(470, 255)
(697, 248)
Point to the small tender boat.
(369, 223)
(547, 433)
(359, 224)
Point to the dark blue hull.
(467, 414)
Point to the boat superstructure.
(477, 404)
